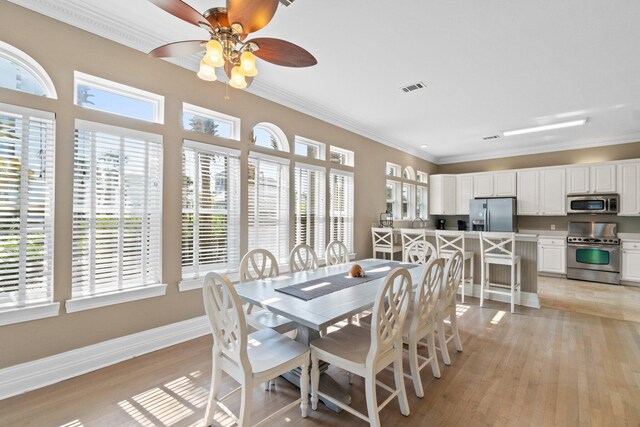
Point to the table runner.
(325, 285)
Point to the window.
(210, 209)
(392, 170)
(341, 207)
(269, 135)
(198, 119)
(27, 143)
(308, 148)
(409, 174)
(421, 202)
(268, 182)
(310, 206)
(423, 177)
(111, 97)
(408, 201)
(341, 156)
(393, 198)
(19, 71)
(117, 210)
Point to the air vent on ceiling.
(286, 2)
(487, 138)
(413, 87)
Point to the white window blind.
(310, 207)
(210, 209)
(117, 209)
(341, 208)
(27, 144)
(268, 181)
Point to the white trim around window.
(232, 122)
(321, 147)
(41, 76)
(25, 314)
(112, 298)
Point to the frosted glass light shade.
(237, 79)
(214, 55)
(248, 64)
(207, 72)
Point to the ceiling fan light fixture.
(237, 80)
(248, 64)
(214, 56)
(207, 72)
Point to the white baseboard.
(527, 299)
(29, 376)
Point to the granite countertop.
(528, 237)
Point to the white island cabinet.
(630, 262)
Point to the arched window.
(270, 136)
(409, 173)
(19, 71)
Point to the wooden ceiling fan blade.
(184, 48)
(282, 52)
(252, 14)
(181, 10)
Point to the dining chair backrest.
(227, 320)
(258, 264)
(451, 279)
(498, 245)
(410, 235)
(426, 294)
(389, 313)
(382, 238)
(336, 253)
(420, 252)
(449, 241)
(303, 258)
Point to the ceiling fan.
(227, 46)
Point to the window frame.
(322, 148)
(14, 54)
(396, 207)
(349, 156)
(350, 243)
(411, 202)
(422, 177)
(279, 137)
(320, 245)
(233, 122)
(392, 170)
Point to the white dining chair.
(303, 258)
(446, 308)
(449, 241)
(499, 249)
(420, 252)
(249, 359)
(383, 242)
(336, 253)
(410, 235)
(366, 352)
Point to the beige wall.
(61, 49)
(567, 157)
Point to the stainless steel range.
(593, 252)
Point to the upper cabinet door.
(629, 188)
(449, 194)
(578, 180)
(603, 179)
(504, 184)
(464, 193)
(483, 185)
(528, 192)
(553, 196)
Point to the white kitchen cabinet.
(501, 184)
(464, 193)
(591, 179)
(442, 195)
(542, 192)
(629, 188)
(552, 255)
(630, 262)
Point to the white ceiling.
(488, 65)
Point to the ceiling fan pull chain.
(226, 90)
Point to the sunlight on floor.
(74, 423)
(461, 310)
(498, 317)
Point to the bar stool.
(447, 243)
(499, 249)
(408, 236)
(383, 241)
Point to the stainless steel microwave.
(593, 203)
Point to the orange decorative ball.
(356, 271)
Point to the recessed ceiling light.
(545, 127)
(424, 147)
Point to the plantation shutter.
(27, 145)
(117, 209)
(310, 206)
(268, 182)
(210, 209)
(341, 207)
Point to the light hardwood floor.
(575, 362)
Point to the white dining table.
(319, 313)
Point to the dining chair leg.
(315, 380)
(454, 329)
(304, 389)
(213, 393)
(482, 278)
(431, 346)
(245, 403)
(350, 377)
(415, 369)
(398, 374)
(513, 288)
(520, 283)
(472, 275)
(442, 342)
(372, 399)
(464, 279)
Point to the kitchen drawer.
(631, 244)
(552, 241)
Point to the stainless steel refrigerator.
(493, 214)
